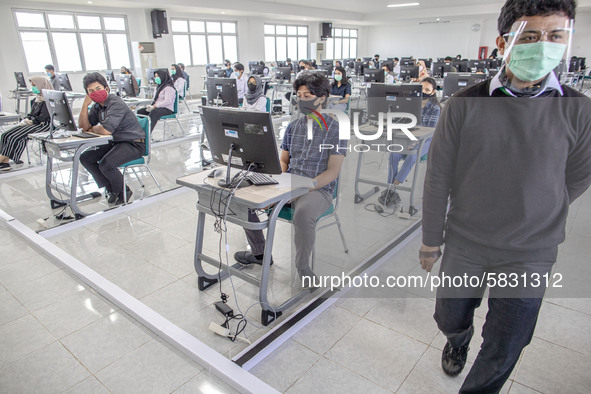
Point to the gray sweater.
(510, 167)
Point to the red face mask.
(99, 96)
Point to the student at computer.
(229, 71)
(423, 71)
(447, 61)
(177, 77)
(185, 75)
(255, 99)
(338, 63)
(376, 61)
(340, 87)
(240, 81)
(388, 75)
(50, 71)
(127, 71)
(163, 103)
(301, 156)
(14, 141)
(265, 68)
(305, 65)
(429, 117)
(396, 69)
(109, 115)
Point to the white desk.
(56, 148)
(252, 197)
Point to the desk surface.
(72, 142)
(258, 196)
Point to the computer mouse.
(215, 173)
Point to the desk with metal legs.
(56, 150)
(421, 133)
(252, 197)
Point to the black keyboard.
(85, 135)
(259, 179)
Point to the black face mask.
(302, 68)
(426, 96)
(252, 87)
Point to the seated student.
(109, 116)
(50, 71)
(375, 61)
(388, 75)
(301, 156)
(338, 63)
(423, 71)
(265, 68)
(163, 103)
(447, 61)
(177, 77)
(229, 70)
(429, 117)
(305, 65)
(127, 71)
(14, 141)
(240, 81)
(340, 87)
(396, 69)
(185, 75)
(255, 98)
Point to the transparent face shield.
(532, 50)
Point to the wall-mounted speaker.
(159, 23)
(325, 30)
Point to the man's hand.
(428, 256)
(87, 101)
(149, 108)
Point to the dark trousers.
(510, 321)
(103, 163)
(154, 115)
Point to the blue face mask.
(49, 75)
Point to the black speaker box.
(325, 30)
(159, 23)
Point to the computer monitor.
(64, 82)
(349, 63)
(385, 98)
(492, 72)
(367, 59)
(461, 65)
(222, 92)
(251, 64)
(283, 73)
(257, 69)
(243, 139)
(209, 66)
(373, 75)
(427, 62)
(125, 85)
(453, 82)
(439, 69)
(387, 62)
(326, 67)
(327, 63)
(478, 65)
(150, 75)
(406, 61)
(321, 72)
(110, 76)
(216, 72)
(574, 64)
(59, 110)
(409, 72)
(21, 84)
(282, 64)
(360, 67)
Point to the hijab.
(252, 97)
(165, 80)
(41, 83)
(179, 72)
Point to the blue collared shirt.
(549, 83)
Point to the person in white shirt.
(396, 70)
(255, 100)
(240, 81)
(388, 76)
(177, 77)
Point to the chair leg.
(27, 149)
(187, 105)
(164, 130)
(341, 233)
(180, 127)
(153, 177)
(125, 184)
(139, 178)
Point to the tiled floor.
(58, 335)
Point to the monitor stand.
(229, 182)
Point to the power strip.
(218, 329)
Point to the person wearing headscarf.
(14, 141)
(163, 103)
(254, 99)
(127, 71)
(177, 77)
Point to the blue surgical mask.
(531, 62)
(49, 75)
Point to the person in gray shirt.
(109, 116)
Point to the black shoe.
(120, 199)
(5, 167)
(453, 359)
(246, 258)
(110, 196)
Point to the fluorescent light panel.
(402, 5)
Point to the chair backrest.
(268, 104)
(145, 124)
(176, 103)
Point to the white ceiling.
(361, 12)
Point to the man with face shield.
(509, 155)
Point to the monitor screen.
(373, 75)
(59, 109)
(64, 82)
(283, 73)
(409, 72)
(222, 92)
(384, 98)
(475, 65)
(125, 85)
(248, 135)
(110, 76)
(257, 70)
(461, 65)
(360, 67)
(20, 80)
(327, 63)
(326, 67)
(439, 69)
(454, 82)
(387, 62)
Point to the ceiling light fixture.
(402, 5)
(90, 2)
(223, 12)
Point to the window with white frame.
(285, 41)
(198, 42)
(73, 41)
(342, 45)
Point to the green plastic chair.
(183, 98)
(268, 104)
(174, 116)
(142, 161)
